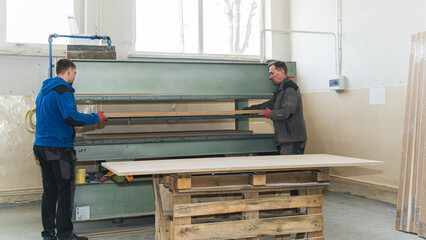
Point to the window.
(211, 27)
(167, 29)
(29, 21)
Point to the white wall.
(376, 38)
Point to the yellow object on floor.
(80, 176)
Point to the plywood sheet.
(234, 164)
(182, 114)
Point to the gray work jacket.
(286, 112)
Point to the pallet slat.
(199, 209)
(250, 228)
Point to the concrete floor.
(345, 217)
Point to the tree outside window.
(229, 27)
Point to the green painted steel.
(114, 98)
(172, 78)
(164, 80)
(175, 78)
(242, 124)
(175, 149)
(292, 72)
(115, 200)
(81, 141)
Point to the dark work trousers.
(57, 168)
(290, 149)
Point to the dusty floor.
(345, 217)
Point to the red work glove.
(267, 113)
(102, 117)
(103, 179)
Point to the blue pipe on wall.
(51, 36)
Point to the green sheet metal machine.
(139, 82)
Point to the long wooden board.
(232, 164)
(182, 114)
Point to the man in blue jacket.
(54, 148)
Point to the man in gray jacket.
(286, 111)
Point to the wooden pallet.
(411, 208)
(238, 197)
(240, 205)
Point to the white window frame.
(201, 56)
(37, 49)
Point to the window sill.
(32, 50)
(37, 53)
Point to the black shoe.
(72, 236)
(49, 238)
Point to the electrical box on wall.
(337, 83)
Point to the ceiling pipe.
(51, 36)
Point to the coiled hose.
(29, 125)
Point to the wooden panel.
(183, 182)
(229, 164)
(160, 227)
(322, 176)
(411, 207)
(418, 107)
(291, 177)
(106, 136)
(314, 210)
(198, 209)
(251, 228)
(402, 182)
(283, 237)
(265, 188)
(247, 215)
(220, 180)
(182, 114)
(180, 199)
(420, 194)
(243, 179)
(257, 179)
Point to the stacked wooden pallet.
(240, 205)
(244, 197)
(411, 208)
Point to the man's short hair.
(279, 65)
(63, 65)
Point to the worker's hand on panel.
(267, 113)
(102, 117)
